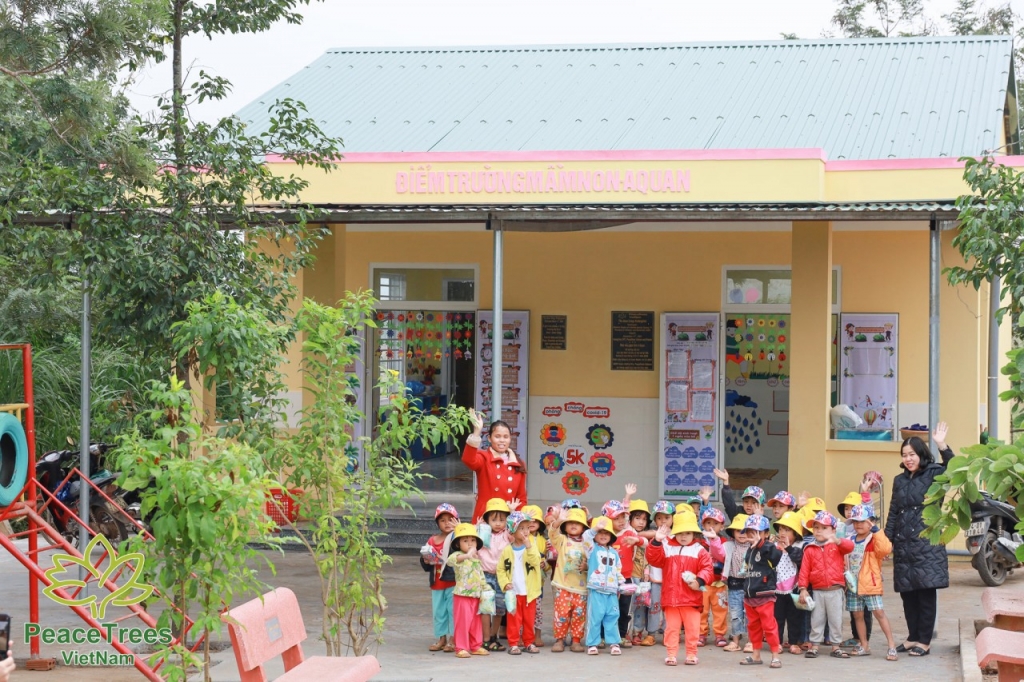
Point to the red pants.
(570, 615)
(716, 602)
(689, 618)
(469, 633)
(761, 625)
(522, 618)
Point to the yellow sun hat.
(791, 520)
(497, 504)
(575, 515)
(467, 530)
(685, 523)
(608, 527)
(738, 522)
(536, 514)
(852, 499)
(639, 505)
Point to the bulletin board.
(514, 341)
(689, 402)
(869, 367)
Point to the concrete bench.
(262, 630)
(1004, 607)
(1005, 648)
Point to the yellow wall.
(586, 275)
(749, 180)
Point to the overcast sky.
(255, 63)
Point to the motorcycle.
(992, 539)
(51, 471)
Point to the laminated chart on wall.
(689, 403)
(514, 339)
(869, 367)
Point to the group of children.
(634, 571)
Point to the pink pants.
(469, 634)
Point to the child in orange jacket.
(686, 569)
(870, 546)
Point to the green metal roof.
(856, 99)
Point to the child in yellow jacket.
(519, 577)
(864, 578)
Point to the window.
(391, 287)
(765, 288)
(422, 286)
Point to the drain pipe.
(933, 329)
(994, 297)
(498, 327)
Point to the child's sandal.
(532, 649)
(514, 651)
(776, 663)
(811, 653)
(670, 660)
(615, 650)
(750, 660)
(891, 655)
(795, 650)
(591, 651)
(839, 653)
(691, 660)
(860, 651)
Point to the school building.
(698, 248)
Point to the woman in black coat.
(919, 567)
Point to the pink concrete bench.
(1005, 648)
(1004, 607)
(262, 630)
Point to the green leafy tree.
(343, 501)
(881, 18)
(204, 497)
(990, 239)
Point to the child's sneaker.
(577, 648)
(558, 647)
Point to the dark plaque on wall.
(552, 332)
(633, 341)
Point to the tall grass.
(117, 382)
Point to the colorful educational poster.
(868, 367)
(515, 372)
(689, 402)
(755, 411)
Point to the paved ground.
(405, 658)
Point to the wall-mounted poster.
(515, 371)
(689, 406)
(868, 367)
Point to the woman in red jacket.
(499, 472)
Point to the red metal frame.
(30, 495)
(32, 511)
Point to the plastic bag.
(851, 581)
(843, 417)
(484, 531)
(487, 606)
(809, 606)
(510, 602)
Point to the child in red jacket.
(686, 569)
(823, 570)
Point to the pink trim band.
(911, 164)
(610, 155)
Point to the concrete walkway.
(404, 656)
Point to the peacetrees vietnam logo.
(63, 576)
